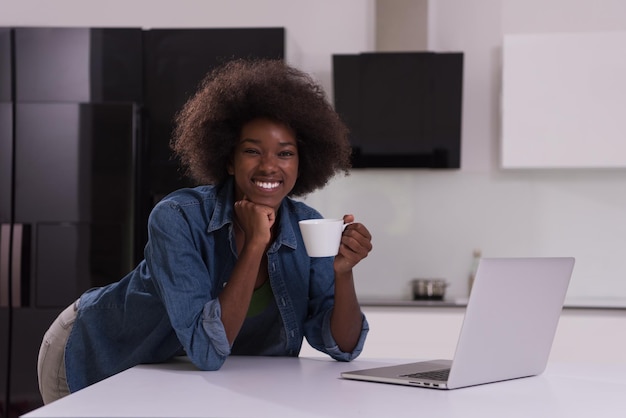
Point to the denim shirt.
(169, 303)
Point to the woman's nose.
(268, 162)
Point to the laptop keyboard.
(432, 375)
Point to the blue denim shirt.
(170, 301)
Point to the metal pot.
(429, 289)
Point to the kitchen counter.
(312, 387)
(574, 303)
(447, 303)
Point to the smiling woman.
(225, 269)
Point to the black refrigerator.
(86, 115)
(69, 128)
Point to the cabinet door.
(49, 186)
(78, 65)
(74, 162)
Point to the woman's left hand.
(356, 243)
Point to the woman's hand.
(356, 243)
(346, 320)
(255, 221)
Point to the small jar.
(429, 289)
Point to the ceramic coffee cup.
(322, 236)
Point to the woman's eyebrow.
(254, 141)
(258, 141)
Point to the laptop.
(508, 329)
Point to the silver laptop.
(507, 333)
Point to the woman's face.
(265, 162)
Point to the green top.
(260, 299)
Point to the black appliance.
(403, 108)
(85, 120)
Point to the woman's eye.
(287, 154)
(250, 151)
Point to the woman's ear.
(230, 167)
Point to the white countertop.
(312, 387)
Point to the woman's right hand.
(255, 220)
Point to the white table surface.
(312, 387)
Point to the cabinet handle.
(5, 244)
(16, 265)
(12, 246)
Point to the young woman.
(225, 269)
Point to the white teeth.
(266, 185)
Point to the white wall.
(426, 223)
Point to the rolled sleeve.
(331, 346)
(213, 325)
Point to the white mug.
(322, 236)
